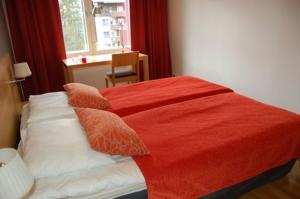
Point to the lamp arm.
(16, 81)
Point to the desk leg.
(146, 68)
(66, 74)
(138, 72)
(70, 75)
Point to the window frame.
(90, 29)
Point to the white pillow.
(47, 95)
(49, 99)
(38, 114)
(49, 106)
(57, 147)
(24, 118)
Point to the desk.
(72, 64)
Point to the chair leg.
(106, 82)
(114, 83)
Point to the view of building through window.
(111, 22)
(95, 25)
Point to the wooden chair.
(124, 75)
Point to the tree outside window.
(73, 25)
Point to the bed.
(223, 117)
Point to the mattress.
(111, 181)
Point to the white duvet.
(105, 182)
(120, 177)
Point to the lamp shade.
(15, 179)
(22, 70)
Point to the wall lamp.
(22, 71)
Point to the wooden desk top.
(95, 60)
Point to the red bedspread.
(203, 145)
(142, 96)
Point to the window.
(106, 34)
(95, 26)
(105, 22)
(120, 8)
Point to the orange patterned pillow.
(108, 133)
(84, 96)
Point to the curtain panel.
(38, 39)
(149, 34)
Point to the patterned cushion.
(84, 96)
(108, 133)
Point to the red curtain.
(38, 39)
(149, 34)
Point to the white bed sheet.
(121, 178)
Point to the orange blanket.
(133, 98)
(203, 145)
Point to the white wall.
(94, 76)
(252, 46)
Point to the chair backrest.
(125, 59)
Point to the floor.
(284, 188)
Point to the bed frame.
(9, 104)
